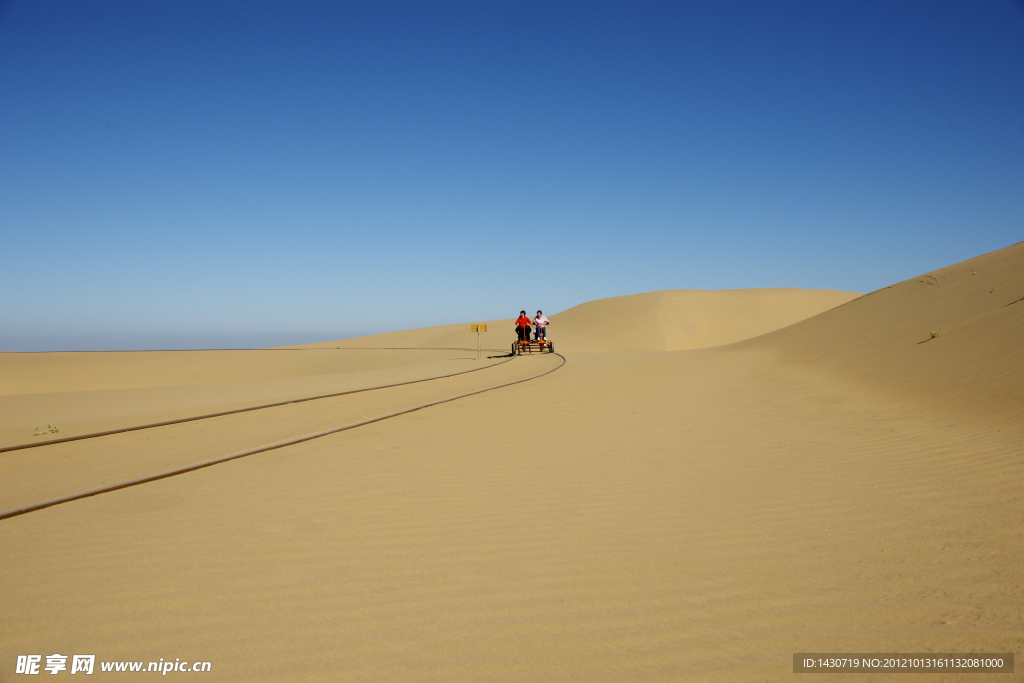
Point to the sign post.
(478, 328)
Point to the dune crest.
(683, 319)
(667, 320)
(973, 364)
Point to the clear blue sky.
(188, 174)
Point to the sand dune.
(671, 515)
(682, 319)
(974, 365)
(669, 320)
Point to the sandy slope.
(662, 516)
(681, 319)
(669, 320)
(976, 363)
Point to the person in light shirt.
(540, 327)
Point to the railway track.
(285, 412)
(122, 430)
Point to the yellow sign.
(478, 328)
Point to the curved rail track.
(283, 444)
(122, 430)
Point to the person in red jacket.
(523, 326)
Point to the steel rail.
(122, 430)
(209, 463)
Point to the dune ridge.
(667, 320)
(684, 319)
(974, 365)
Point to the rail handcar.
(530, 346)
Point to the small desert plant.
(934, 335)
(50, 429)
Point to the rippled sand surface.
(846, 483)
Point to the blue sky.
(209, 174)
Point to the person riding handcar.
(523, 326)
(540, 327)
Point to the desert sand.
(744, 475)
